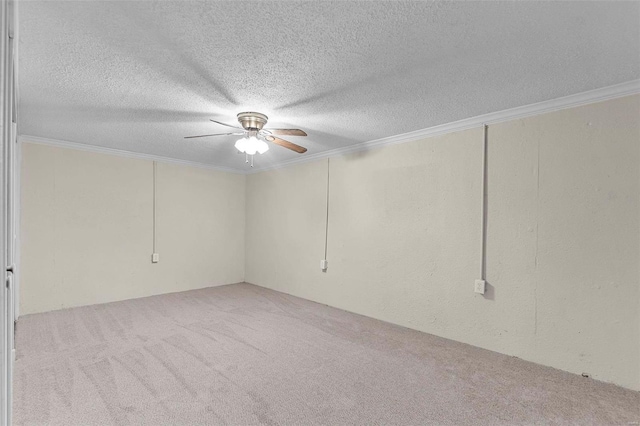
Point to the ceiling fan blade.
(215, 134)
(287, 132)
(228, 125)
(286, 144)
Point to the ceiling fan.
(255, 136)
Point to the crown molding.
(571, 101)
(592, 96)
(123, 153)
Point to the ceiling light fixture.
(251, 146)
(255, 136)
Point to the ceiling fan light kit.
(252, 145)
(255, 136)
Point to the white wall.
(87, 228)
(563, 242)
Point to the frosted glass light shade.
(252, 145)
(262, 147)
(240, 144)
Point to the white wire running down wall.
(154, 255)
(324, 264)
(483, 234)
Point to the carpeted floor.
(241, 354)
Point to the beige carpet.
(241, 354)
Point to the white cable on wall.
(483, 235)
(324, 263)
(155, 167)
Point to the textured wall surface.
(141, 75)
(563, 243)
(87, 228)
(404, 237)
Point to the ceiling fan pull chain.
(252, 161)
(246, 158)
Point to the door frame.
(8, 208)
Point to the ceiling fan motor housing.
(252, 120)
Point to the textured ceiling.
(139, 76)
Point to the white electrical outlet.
(480, 286)
(155, 258)
(324, 265)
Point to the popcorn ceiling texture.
(140, 76)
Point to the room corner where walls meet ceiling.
(139, 76)
(593, 96)
(135, 78)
